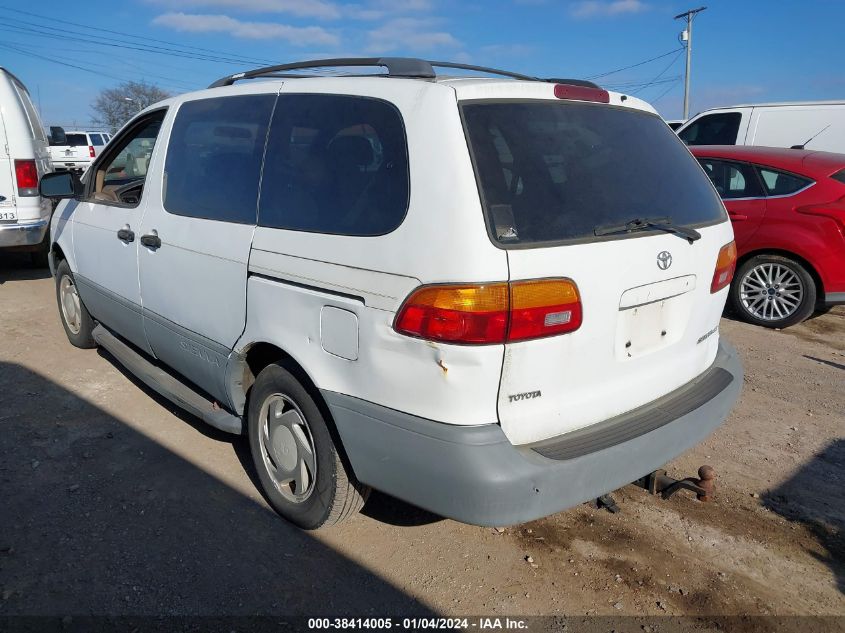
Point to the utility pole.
(688, 15)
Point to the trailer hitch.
(659, 483)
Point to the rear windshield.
(551, 172)
(76, 140)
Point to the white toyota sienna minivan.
(493, 297)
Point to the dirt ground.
(115, 503)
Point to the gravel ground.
(115, 503)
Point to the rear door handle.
(737, 216)
(126, 234)
(151, 240)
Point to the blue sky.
(744, 50)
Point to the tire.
(76, 321)
(282, 422)
(773, 291)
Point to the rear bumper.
(18, 235)
(475, 475)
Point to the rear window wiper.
(644, 224)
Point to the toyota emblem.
(664, 260)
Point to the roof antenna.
(804, 144)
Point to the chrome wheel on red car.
(773, 291)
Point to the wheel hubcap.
(771, 292)
(71, 307)
(287, 448)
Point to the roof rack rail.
(407, 67)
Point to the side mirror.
(57, 135)
(59, 185)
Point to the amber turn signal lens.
(725, 267)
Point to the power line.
(662, 72)
(40, 31)
(667, 91)
(123, 34)
(643, 84)
(100, 73)
(65, 59)
(642, 63)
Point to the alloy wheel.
(771, 292)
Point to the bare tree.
(115, 106)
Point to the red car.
(787, 207)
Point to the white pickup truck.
(76, 150)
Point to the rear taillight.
(725, 267)
(26, 174)
(834, 210)
(581, 93)
(544, 307)
(491, 313)
(91, 151)
(456, 313)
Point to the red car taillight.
(91, 151)
(26, 174)
(725, 267)
(491, 313)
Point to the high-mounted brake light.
(725, 267)
(581, 93)
(91, 151)
(491, 313)
(26, 174)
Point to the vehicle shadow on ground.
(18, 267)
(100, 519)
(380, 507)
(813, 498)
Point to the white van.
(818, 125)
(492, 298)
(24, 158)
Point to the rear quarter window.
(335, 164)
(556, 171)
(780, 183)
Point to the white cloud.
(301, 8)
(196, 23)
(410, 34)
(606, 8)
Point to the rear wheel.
(298, 463)
(76, 321)
(773, 291)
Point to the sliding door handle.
(151, 240)
(126, 234)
